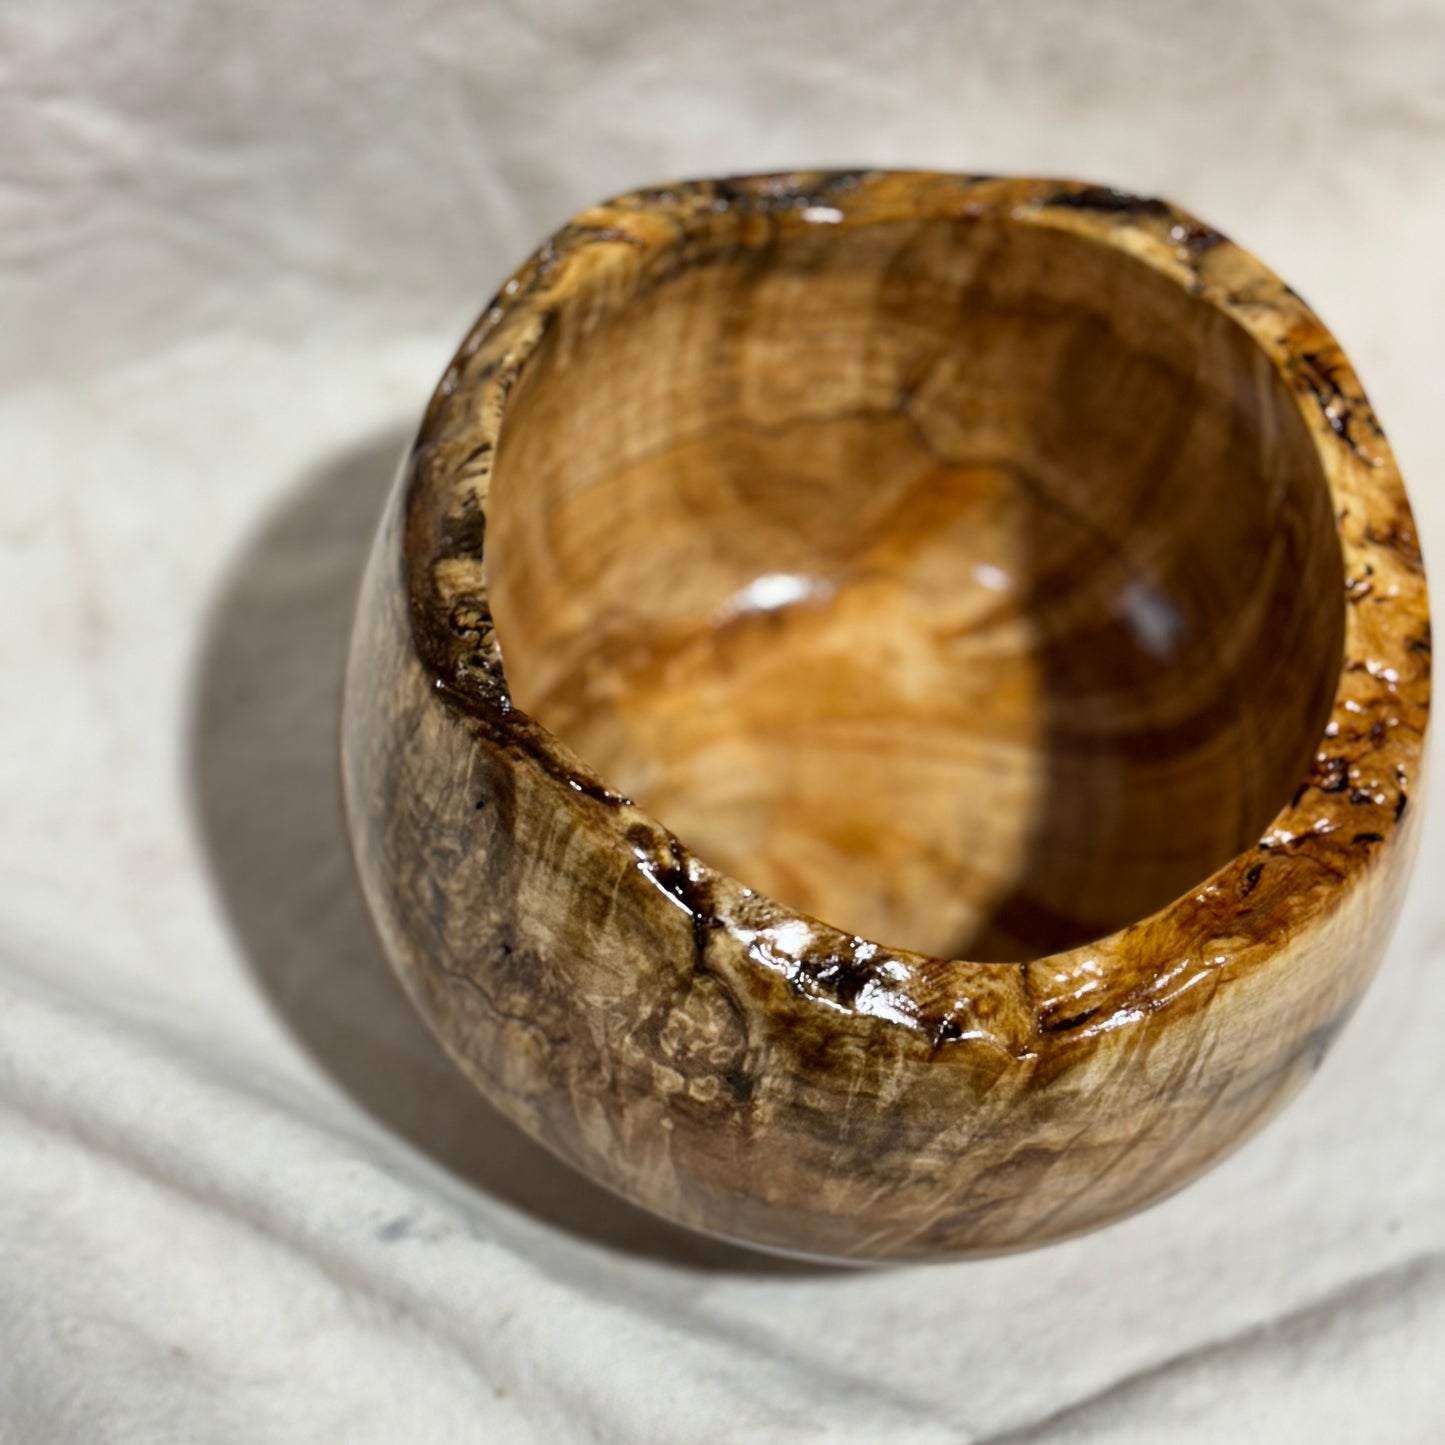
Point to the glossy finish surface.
(999, 570)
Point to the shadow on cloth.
(266, 785)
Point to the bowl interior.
(967, 584)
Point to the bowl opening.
(967, 584)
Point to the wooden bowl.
(804, 583)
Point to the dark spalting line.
(1331, 774)
(664, 862)
(948, 1031)
(786, 190)
(601, 234)
(580, 783)
(693, 894)
(464, 531)
(480, 453)
(1196, 238)
(471, 979)
(1346, 415)
(1054, 1024)
(1110, 201)
(1401, 539)
(471, 619)
(514, 732)
(1096, 1019)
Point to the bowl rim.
(1352, 808)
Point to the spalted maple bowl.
(886, 712)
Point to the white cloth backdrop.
(242, 1197)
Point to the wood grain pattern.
(999, 570)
